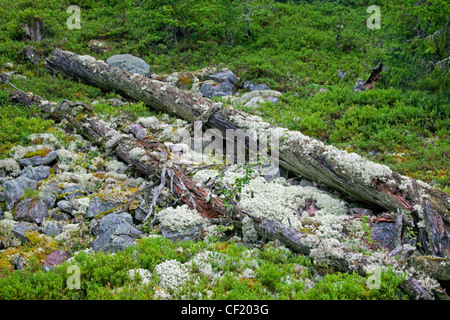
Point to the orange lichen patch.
(221, 246)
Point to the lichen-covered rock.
(97, 206)
(55, 258)
(22, 228)
(192, 233)
(72, 192)
(110, 221)
(224, 76)
(38, 160)
(31, 210)
(9, 167)
(15, 189)
(52, 229)
(130, 63)
(117, 238)
(65, 206)
(37, 173)
(48, 194)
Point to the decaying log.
(357, 178)
(153, 156)
(154, 163)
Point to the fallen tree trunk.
(357, 178)
(148, 156)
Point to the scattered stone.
(19, 262)
(72, 192)
(38, 160)
(272, 174)
(60, 215)
(55, 258)
(52, 229)
(224, 76)
(36, 173)
(255, 87)
(274, 100)
(340, 74)
(306, 183)
(65, 206)
(96, 206)
(31, 210)
(15, 189)
(48, 194)
(21, 229)
(130, 63)
(207, 90)
(8, 65)
(139, 215)
(359, 86)
(192, 233)
(115, 232)
(97, 46)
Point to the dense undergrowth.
(216, 270)
(295, 47)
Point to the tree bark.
(355, 177)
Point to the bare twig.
(156, 194)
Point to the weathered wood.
(151, 162)
(355, 177)
(305, 156)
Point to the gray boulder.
(15, 189)
(96, 206)
(272, 174)
(110, 221)
(248, 85)
(224, 76)
(130, 63)
(21, 229)
(48, 194)
(38, 160)
(72, 192)
(52, 229)
(31, 210)
(36, 173)
(207, 90)
(306, 183)
(59, 215)
(115, 232)
(261, 86)
(192, 233)
(65, 206)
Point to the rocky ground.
(66, 194)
